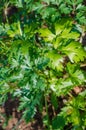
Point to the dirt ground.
(9, 113)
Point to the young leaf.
(46, 34)
(74, 51)
(56, 60)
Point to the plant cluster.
(43, 60)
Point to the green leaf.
(48, 12)
(58, 28)
(64, 9)
(56, 60)
(75, 73)
(46, 34)
(54, 100)
(69, 35)
(37, 6)
(74, 51)
(58, 123)
(57, 42)
(14, 29)
(25, 47)
(63, 86)
(61, 24)
(79, 1)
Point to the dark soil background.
(9, 113)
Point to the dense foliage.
(43, 60)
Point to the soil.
(9, 113)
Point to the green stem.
(20, 29)
(46, 107)
(7, 20)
